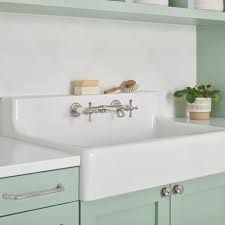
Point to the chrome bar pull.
(57, 189)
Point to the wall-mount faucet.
(115, 106)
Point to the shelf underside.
(114, 10)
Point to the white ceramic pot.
(216, 5)
(200, 109)
(153, 2)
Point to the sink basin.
(175, 152)
(118, 155)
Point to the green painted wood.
(69, 178)
(182, 3)
(210, 61)
(202, 203)
(113, 10)
(67, 214)
(142, 208)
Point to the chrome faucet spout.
(120, 113)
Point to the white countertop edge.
(39, 166)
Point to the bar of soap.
(86, 90)
(86, 83)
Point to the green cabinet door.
(141, 208)
(201, 203)
(67, 214)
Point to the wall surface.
(40, 55)
(211, 61)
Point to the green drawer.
(67, 214)
(33, 191)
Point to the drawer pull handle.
(59, 188)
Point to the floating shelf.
(113, 10)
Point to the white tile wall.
(40, 55)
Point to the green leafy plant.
(202, 91)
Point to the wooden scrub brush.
(126, 87)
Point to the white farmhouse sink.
(118, 155)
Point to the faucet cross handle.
(90, 112)
(131, 108)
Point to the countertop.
(18, 157)
(215, 122)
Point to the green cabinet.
(117, 9)
(141, 208)
(197, 202)
(46, 198)
(67, 214)
(201, 203)
(38, 190)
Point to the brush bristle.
(129, 90)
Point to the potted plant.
(199, 100)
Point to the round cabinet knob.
(166, 192)
(178, 189)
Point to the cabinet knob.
(178, 189)
(166, 192)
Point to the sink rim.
(215, 129)
(145, 168)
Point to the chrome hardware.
(74, 109)
(119, 108)
(120, 113)
(116, 103)
(130, 108)
(178, 189)
(115, 107)
(59, 188)
(166, 192)
(89, 112)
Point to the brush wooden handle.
(125, 85)
(112, 90)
